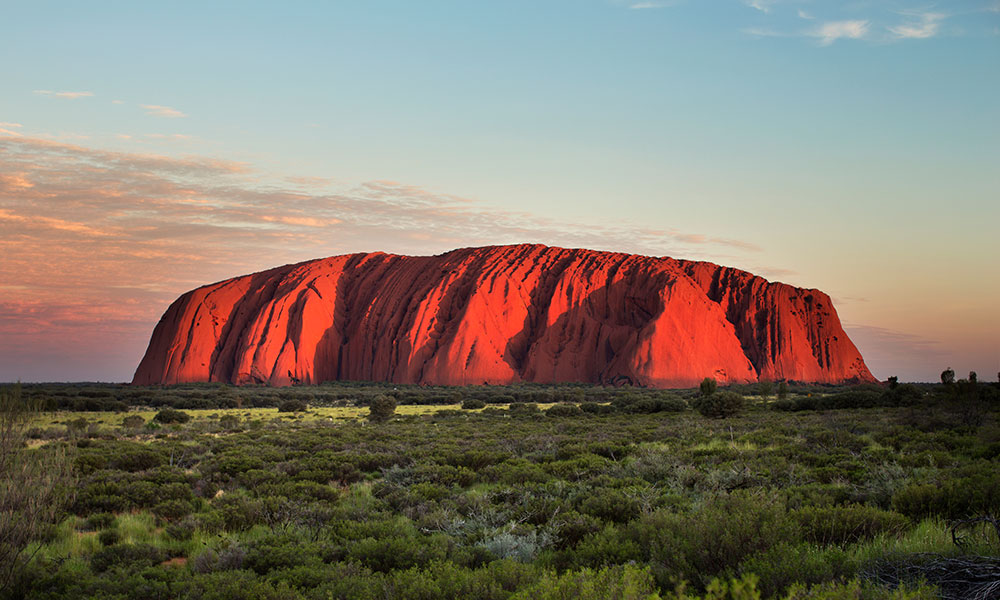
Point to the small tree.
(948, 376)
(893, 382)
(708, 386)
(382, 408)
(765, 387)
(782, 390)
(973, 378)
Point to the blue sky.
(849, 146)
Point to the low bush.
(784, 564)
(293, 406)
(170, 415)
(127, 557)
(133, 422)
(96, 521)
(473, 404)
(846, 524)
(597, 409)
(109, 537)
(564, 410)
(720, 405)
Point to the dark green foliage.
(169, 415)
(171, 509)
(293, 406)
(902, 395)
(98, 521)
(133, 422)
(109, 537)
(784, 564)
(182, 530)
(708, 386)
(594, 408)
(472, 404)
(838, 525)
(523, 408)
(127, 557)
(720, 405)
(626, 582)
(714, 540)
(564, 410)
(965, 495)
(382, 408)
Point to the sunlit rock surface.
(497, 315)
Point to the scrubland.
(215, 492)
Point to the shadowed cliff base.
(501, 314)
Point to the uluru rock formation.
(501, 314)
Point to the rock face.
(497, 315)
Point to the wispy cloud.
(647, 5)
(761, 5)
(919, 25)
(96, 244)
(162, 111)
(804, 15)
(68, 95)
(8, 129)
(763, 32)
(830, 32)
(169, 136)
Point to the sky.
(847, 145)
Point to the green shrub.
(714, 540)
(708, 386)
(171, 510)
(523, 408)
(109, 537)
(959, 498)
(597, 409)
(279, 552)
(382, 408)
(609, 505)
(293, 406)
(784, 564)
(182, 531)
(623, 582)
(564, 410)
(133, 422)
(127, 556)
(721, 405)
(170, 415)
(472, 404)
(100, 520)
(846, 524)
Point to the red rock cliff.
(497, 315)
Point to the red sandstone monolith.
(497, 315)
